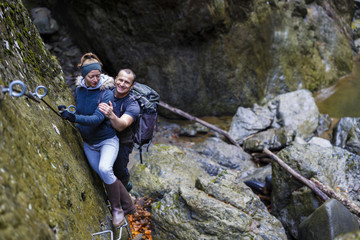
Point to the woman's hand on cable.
(65, 114)
(106, 109)
(68, 116)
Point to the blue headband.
(88, 68)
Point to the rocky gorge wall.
(209, 57)
(47, 190)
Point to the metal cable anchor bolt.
(12, 91)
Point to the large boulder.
(335, 167)
(209, 57)
(47, 189)
(165, 168)
(226, 155)
(189, 204)
(298, 111)
(43, 21)
(276, 124)
(273, 139)
(346, 134)
(327, 222)
(248, 121)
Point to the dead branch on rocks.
(316, 186)
(192, 118)
(355, 209)
(297, 176)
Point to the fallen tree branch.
(297, 176)
(192, 118)
(355, 209)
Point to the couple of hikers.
(104, 119)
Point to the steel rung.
(127, 226)
(104, 232)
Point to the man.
(122, 115)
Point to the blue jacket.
(93, 125)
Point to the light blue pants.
(102, 156)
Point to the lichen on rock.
(47, 190)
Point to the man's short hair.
(129, 71)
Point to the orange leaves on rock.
(140, 222)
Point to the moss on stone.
(47, 186)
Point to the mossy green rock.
(165, 168)
(47, 190)
(188, 204)
(349, 236)
(335, 167)
(209, 57)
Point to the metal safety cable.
(35, 96)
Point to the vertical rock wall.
(47, 190)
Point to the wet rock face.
(47, 190)
(209, 57)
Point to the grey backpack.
(144, 126)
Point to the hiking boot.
(126, 201)
(114, 193)
(129, 186)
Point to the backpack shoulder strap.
(133, 96)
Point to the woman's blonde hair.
(88, 58)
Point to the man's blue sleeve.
(133, 109)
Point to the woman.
(101, 144)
